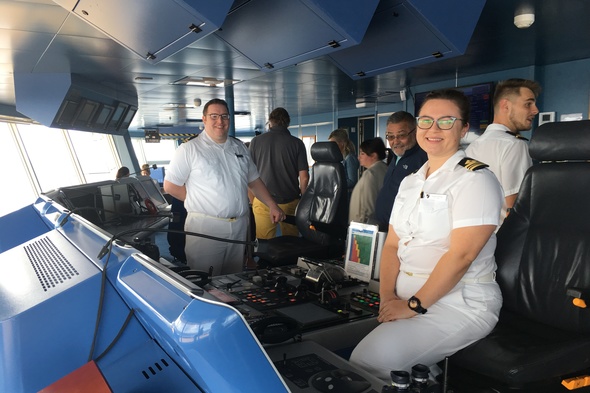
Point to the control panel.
(314, 296)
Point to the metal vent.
(50, 265)
(157, 367)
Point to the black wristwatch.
(416, 306)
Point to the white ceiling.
(39, 36)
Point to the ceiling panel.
(40, 36)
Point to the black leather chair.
(543, 257)
(321, 216)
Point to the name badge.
(435, 197)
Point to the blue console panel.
(147, 328)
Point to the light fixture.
(197, 102)
(524, 16)
(205, 81)
(364, 102)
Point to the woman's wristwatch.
(416, 306)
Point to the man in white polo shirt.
(212, 174)
(501, 146)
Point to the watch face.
(413, 304)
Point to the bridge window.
(38, 159)
(18, 188)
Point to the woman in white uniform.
(437, 278)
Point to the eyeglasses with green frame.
(444, 123)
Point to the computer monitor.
(152, 188)
(84, 200)
(103, 115)
(159, 173)
(117, 116)
(361, 251)
(115, 201)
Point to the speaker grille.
(50, 265)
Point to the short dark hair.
(122, 172)
(512, 87)
(402, 117)
(214, 101)
(279, 117)
(456, 96)
(375, 145)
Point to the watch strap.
(415, 305)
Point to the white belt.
(490, 277)
(231, 219)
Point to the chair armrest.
(289, 219)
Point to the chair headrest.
(561, 141)
(326, 152)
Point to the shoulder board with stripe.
(471, 164)
(517, 136)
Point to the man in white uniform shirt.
(212, 174)
(501, 146)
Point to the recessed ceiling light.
(177, 105)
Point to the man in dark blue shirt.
(401, 136)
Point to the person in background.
(501, 146)
(211, 174)
(145, 170)
(122, 172)
(351, 163)
(281, 160)
(364, 194)
(437, 277)
(409, 157)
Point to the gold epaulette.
(517, 136)
(471, 164)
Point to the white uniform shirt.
(216, 176)
(507, 156)
(426, 210)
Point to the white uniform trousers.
(201, 253)
(466, 314)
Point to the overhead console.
(277, 33)
(71, 101)
(408, 33)
(152, 29)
